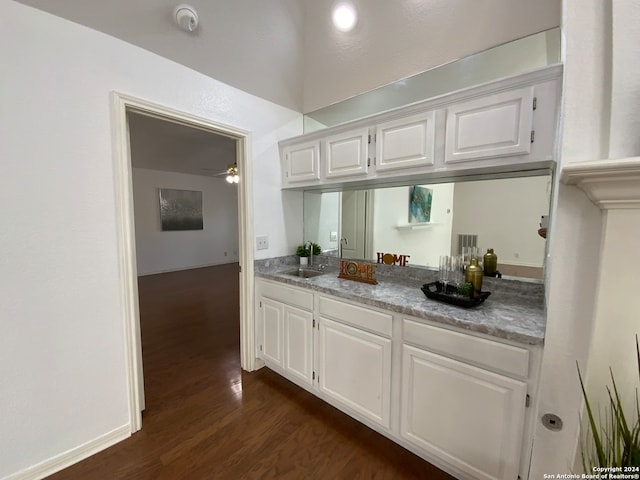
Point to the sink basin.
(303, 273)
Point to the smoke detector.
(186, 17)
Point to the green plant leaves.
(615, 440)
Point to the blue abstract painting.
(420, 199)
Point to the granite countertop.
(514, 310)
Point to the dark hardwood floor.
(207, 419)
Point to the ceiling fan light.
(236, 179)
(229, 179)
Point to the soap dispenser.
(490, 260)
(473, 275)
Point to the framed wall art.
(180, 209)
(420, 200)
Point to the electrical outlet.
(262, 242)
(333, 236)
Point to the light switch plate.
(333, 236)
(262, 242)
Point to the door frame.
(122, 171)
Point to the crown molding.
(610, 184)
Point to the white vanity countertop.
(514, 313)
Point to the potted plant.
(615, 441)
(304, 252)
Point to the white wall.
(158, 251)
(505, 214)
(575, 233)
(321, 218)
(62, 347)
(424, 245)
(255, 45)
(394, 40)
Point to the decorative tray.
(435, 291)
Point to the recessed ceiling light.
(344, 16)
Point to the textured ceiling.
(288, 52)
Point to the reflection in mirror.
(512, 58)
(503, 214)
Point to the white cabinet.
(489, 126)
(470, 417)
(354, 358)
(301, 163)
(406, 142)
(487, 129)
(272, 317)
(346, 154)
(457, 400)
(354, 368)
(298, 343)
(286, 330)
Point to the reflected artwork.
(420, 200)
(180, 209)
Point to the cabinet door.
(405, 143)
(272, 313)
(346, 154)
(467, 416)
(490, 126)
(355, 369)
(301, 162)
(298, 342)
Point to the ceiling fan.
(231, 173)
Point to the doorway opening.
(123, 105)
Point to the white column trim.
(609, 184)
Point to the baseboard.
(70, 457)
(179, 269)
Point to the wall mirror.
(512, 58)
(428, 220)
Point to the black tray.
(434, 291)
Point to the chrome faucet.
(343, 240)
(310, 245)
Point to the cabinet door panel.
(405, 143)
(298, 331)
(355, 369)
(346, 154)
(302, 162)
(272, 324)
(491, 126)
(468, 416)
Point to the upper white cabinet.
(406, 142)
(346, 154)
(498, 127)
(301, 162)
(490, 126)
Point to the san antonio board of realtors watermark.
(601, 473)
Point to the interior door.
(353, 224)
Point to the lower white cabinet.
(458, 400)
(272, 319)
(286, 331)
(467, 416)
(354, 368)
(298, 342)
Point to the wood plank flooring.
(207, 419)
